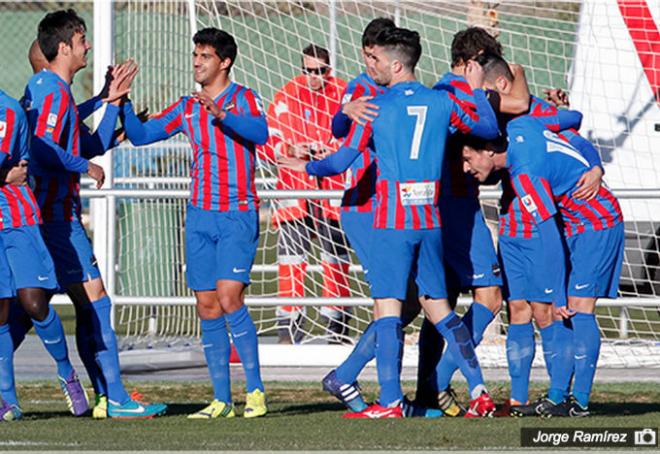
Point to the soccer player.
(224, 122)
(299, 119)
(8, 411)
(32, 270)
(545, 168)
(406, 232)
(56, 161)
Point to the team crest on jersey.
(528, 201)
(52, 119)
(3, 128)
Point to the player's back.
(537, 151)
(409, 138)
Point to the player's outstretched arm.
(102, 139)
(251, 127)
(333, 164)
(118, 81)
(160, 127)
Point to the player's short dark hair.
(404, 43)
(223, 43)
(472, 41)
(319, 52)
(494, 66)
(373, 28)
(58, 27)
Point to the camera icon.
(645, 437)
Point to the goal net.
(594, 49)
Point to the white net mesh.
(551, 39)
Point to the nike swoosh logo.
(238, 270)
(189, 115)
(139, 409)
(477, 276)
(50, 342)
(240, 334)
(548, 291)
(580, 356)
(207, 345)
(580, 287)
(42, 278)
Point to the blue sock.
(547, 339)
(586, 350)
(217, 350)
(19, 323)
(389, 338)
(520, 349)
(460, 346)
(362, 353)
(562, 366)
(51, 333)
(476, 320)
(106, 353)
(85, 346)
(244, 335)
(7, 384)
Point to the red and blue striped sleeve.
(250, 122)
(341, 123)
(97, 143)
(552, 118)
(8, 132)
(465, 120)
(584, 147)
(358, 137)
(536, 195)
(163, 125)
(52, 114)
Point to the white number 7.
(420, 113)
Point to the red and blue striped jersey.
(18, 206)
(360, 184)
(409, 137)
(545, 169)
(514, 220)
(223, 163)
(55, 160)
(455, 182)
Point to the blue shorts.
(30, 263)
(524, 278)
(596, 257)
(470, 257)
(72, 253)
(395, 254)
(7, 287)
(220, 245)
(357, 227)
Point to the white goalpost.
(590, 48)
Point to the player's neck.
(458, 70)
(216, 87)
(403, 77)
(63, 70)
(500, 160)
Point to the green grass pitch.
(301, 417)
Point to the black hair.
(319, 52)
(223, 43)
(58, 27)
(472, 41)
(373, 28)
(402, 42)
(494, 66)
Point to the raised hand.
(119, 80)
(209, 104)
(556, 96)
(361, 110)
(17, 175)
(291, 163)
(474, 74)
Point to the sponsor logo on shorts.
(54, 341)
(42, 278)
(239, 270)
(477, 276)
(496, 270)
(548, 291)
(581, 286)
